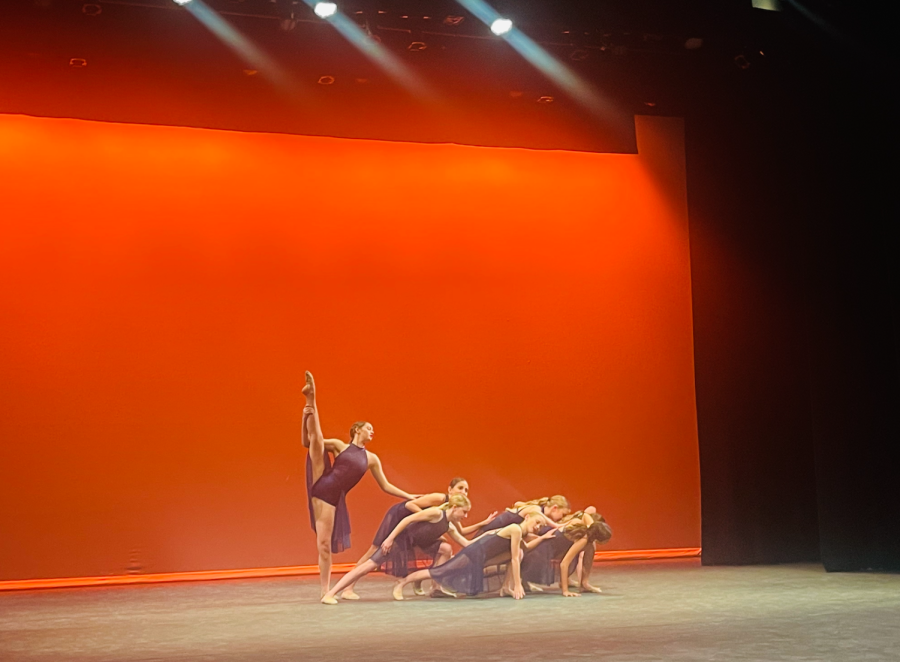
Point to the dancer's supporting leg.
(363, 568)
(313, 439)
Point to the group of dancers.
(513, 552)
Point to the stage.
(671, 610)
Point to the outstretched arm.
(425, 501)
(515, 540)
(421, 516)
(456, 536)
(566, 562)
(537, 540)
(383, 482)
(472, 528)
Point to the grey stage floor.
(674, 610)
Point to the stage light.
(325, 9)
(181, 2)
(501, 26)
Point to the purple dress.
(391, 519)
(464, 573)
(538, 566)
(422, 537)
(505, 518)
(334, 483)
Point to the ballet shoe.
(418, 590)
(441, 592)
(328, 600)
(310, 387)
(397, 593)
(533, 588)
(349, 594)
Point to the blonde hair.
(456, 501)
(557, 500)
(598, 531)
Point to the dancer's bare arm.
(537, 540)
(566, 562)
(383, 482)
(456, 536)
(425, 501)
(472, 528)
(515, 540)
(428, 515)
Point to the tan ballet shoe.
(397, 593)
(328, 600)
(349, 594)
(417, 588)
(309, 389)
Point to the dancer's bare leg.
(324, 513)
(349, 593)
(417, 576)
(313, 439)
(361, 569)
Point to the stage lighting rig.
(325, 9)
(501, 26)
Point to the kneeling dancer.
(422, 531)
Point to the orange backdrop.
(521, 318)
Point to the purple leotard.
(505, 518)
(424, 537)
(334, 483)
(537, 565)
(391, 519)
(464, 572)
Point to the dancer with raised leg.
(327, 485)
(422, 532)
(464, 573)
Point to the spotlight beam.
(387, 61)
(243, 47)
(570, 82)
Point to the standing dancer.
(552, 508)
(421, 531)
(464, 573)
(565, 544)
(397, 513)
(326, 485)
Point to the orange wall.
(521, 318)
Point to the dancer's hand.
(549, 534)
(569, 594)
(386, 545)
(518, 592)
(490, 518)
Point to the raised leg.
(311, 434)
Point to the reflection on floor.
(674, 610)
